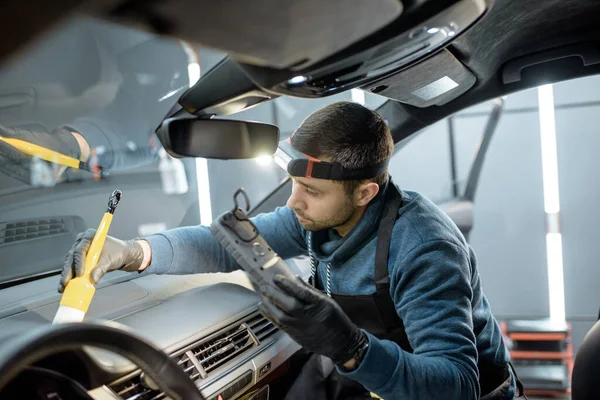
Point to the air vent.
(134, 389)
(200, 359)
(18, 231)
(216, 351)
(188, 366)
(261, 327)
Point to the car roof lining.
(500, 37)
(510, 29)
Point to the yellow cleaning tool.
(79, 292)
(45, 154)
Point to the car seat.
(584, 381)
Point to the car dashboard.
(212, 330)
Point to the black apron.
(376, 313)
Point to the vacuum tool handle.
(242, 240)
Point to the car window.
(440, 158)
(92, 87)
(111, 85)
(541, 167)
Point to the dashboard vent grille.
(209, 354)
(261, 327)
(133, 389)
(219, 349)
(188, 366)
(30, 229)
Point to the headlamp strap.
(303, 165)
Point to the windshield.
(89, 94)
(94, 92)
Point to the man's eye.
(311, 193)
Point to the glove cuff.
(70, 146)
(359, 355)
(135, 256)
(358, 341)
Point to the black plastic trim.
(512, 71)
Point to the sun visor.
(435, 81)
(270, 32)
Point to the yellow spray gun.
(79, 292)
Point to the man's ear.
(365, 193)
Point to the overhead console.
(379, 63)
(434, 81)
(415, 35)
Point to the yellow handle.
(93, 254)
(35, 150)
(80, 291)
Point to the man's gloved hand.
(312, 319)
(17, 165)
(116, 254)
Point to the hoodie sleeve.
(190, 250)
(431, 290)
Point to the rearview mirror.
(217, 138)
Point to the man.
(402, 314)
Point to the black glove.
(17, 165)
(116, 254)
(312, 319)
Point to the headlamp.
(302, 165)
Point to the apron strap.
(389, 215)
(388, 219)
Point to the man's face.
(320, 204)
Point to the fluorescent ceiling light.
(203, 182)
(556, 284)
(193, 73)
(554, 250)
(549, 153)
(202, 179)
(193, 62)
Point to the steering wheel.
(25, 350)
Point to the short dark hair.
(349, 134)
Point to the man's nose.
(294, 201)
